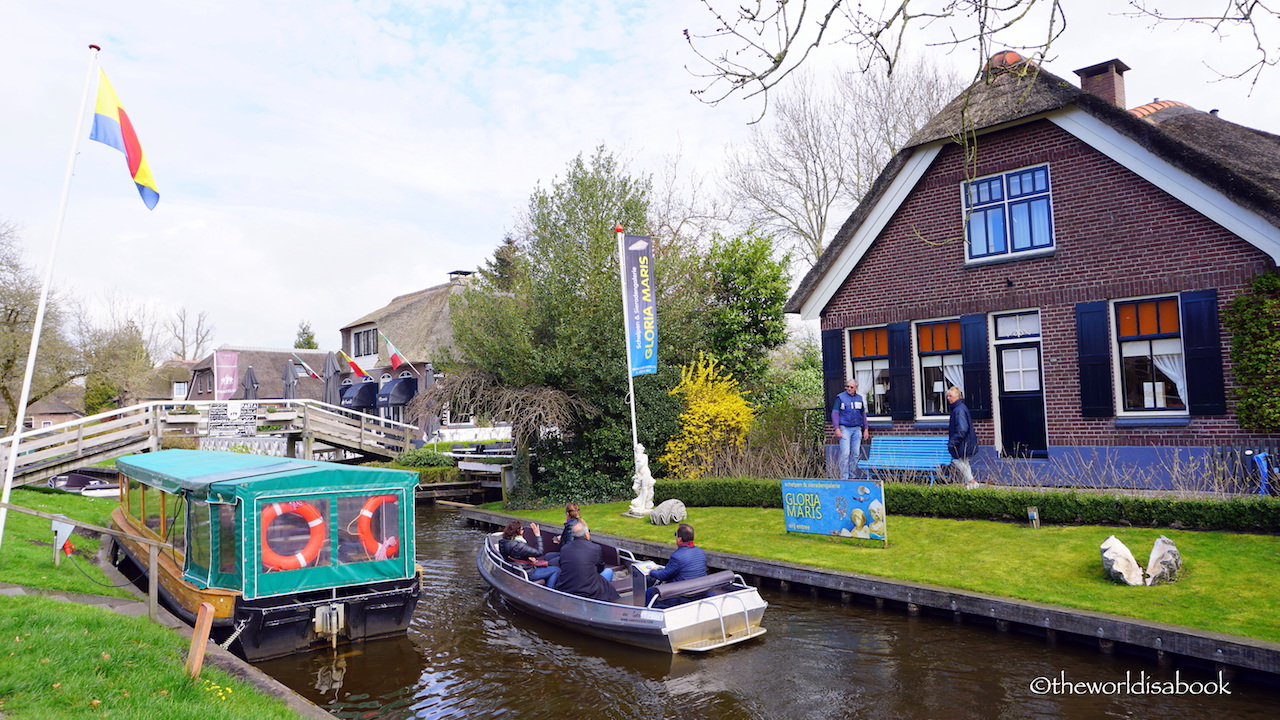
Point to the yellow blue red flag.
(111, 126)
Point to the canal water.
(468, 655)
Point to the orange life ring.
(308, 512)
(365, 527)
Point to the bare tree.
(753, 46)
(190, 338)
(804, 168)
(59, 360)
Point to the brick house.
(1069, 276)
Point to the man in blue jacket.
(849, 417)
(962, 441)
(686, 563)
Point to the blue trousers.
(850, 451)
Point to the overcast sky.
(316, 159)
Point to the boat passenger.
(686, 563)
(582, 570)
(516, 550)
(572, 514)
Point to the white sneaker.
(972, 484)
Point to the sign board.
(639, 308)
(233, 419)
(847, 508)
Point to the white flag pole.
(631, 385)
(20, 412)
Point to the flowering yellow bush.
(715, 420)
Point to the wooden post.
(153, 583)
(199, 639)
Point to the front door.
(1021, 390)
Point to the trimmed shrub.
(1240, 514)
(423, 457)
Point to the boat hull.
(722, 619)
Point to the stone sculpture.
(1165, 562)
(1118, 562)
(642, 484)
(667, 512)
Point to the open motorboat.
(86, 482)
(713, 611)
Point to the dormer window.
(364, 342)
(1008, 214)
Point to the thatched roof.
(419, 323)
(1241, 163)
(268, 365)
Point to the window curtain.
(953, 371)
(1171, 365)
(866, 378)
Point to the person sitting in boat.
(686, 563)
(572, 513)
(582, 570)
(515, 549)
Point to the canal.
(468, 655)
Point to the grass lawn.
(63, 661)
(1228, 581)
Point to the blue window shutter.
(1202, 353)
(901, 402)
(976, 363)
(832, 367)
(1093, 347)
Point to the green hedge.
(426, 475)
(1246, 513)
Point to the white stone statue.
(642, 484)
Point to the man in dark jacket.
(686, 563)
(582, 570)
(962, 442)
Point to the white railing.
(48, 451)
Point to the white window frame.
(850, 372)
(360, 341)
(917, 368)
(1117, 360)
(1004, 203)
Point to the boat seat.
(666, 591)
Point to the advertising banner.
(639, 308)
(848, 508)
(225, 368)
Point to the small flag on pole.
(306, 367)
(111, 126)
(396, 357)
(354, 367)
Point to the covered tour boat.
(712, 612)
(290, 553)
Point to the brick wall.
(1116, 236)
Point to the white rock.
(1165, 562)
(1118, 562)
(667, 512)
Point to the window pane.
(979, 245)
(1168, 316)
(926, 338)
(1020, 226)
(1040, 234)
(995, 229)
(953, 335)
(1127, 316)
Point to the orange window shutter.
(882, 341)
(1148, 324)
(926, 338)
(953, 335)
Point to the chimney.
(1106, 80)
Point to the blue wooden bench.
(920, 453)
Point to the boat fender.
(389, 547)
(308, 555)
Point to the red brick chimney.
(1106, 80)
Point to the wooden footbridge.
(318, 430)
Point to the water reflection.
(468, 655)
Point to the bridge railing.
(145, 424)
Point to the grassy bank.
(65, 661)
(1228, 583)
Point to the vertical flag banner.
(111, 126)
(226, 365)
(360, 373)
(396, 357)
(639, 307)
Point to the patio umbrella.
(250, 384)
(332, 380)
(290, 380)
